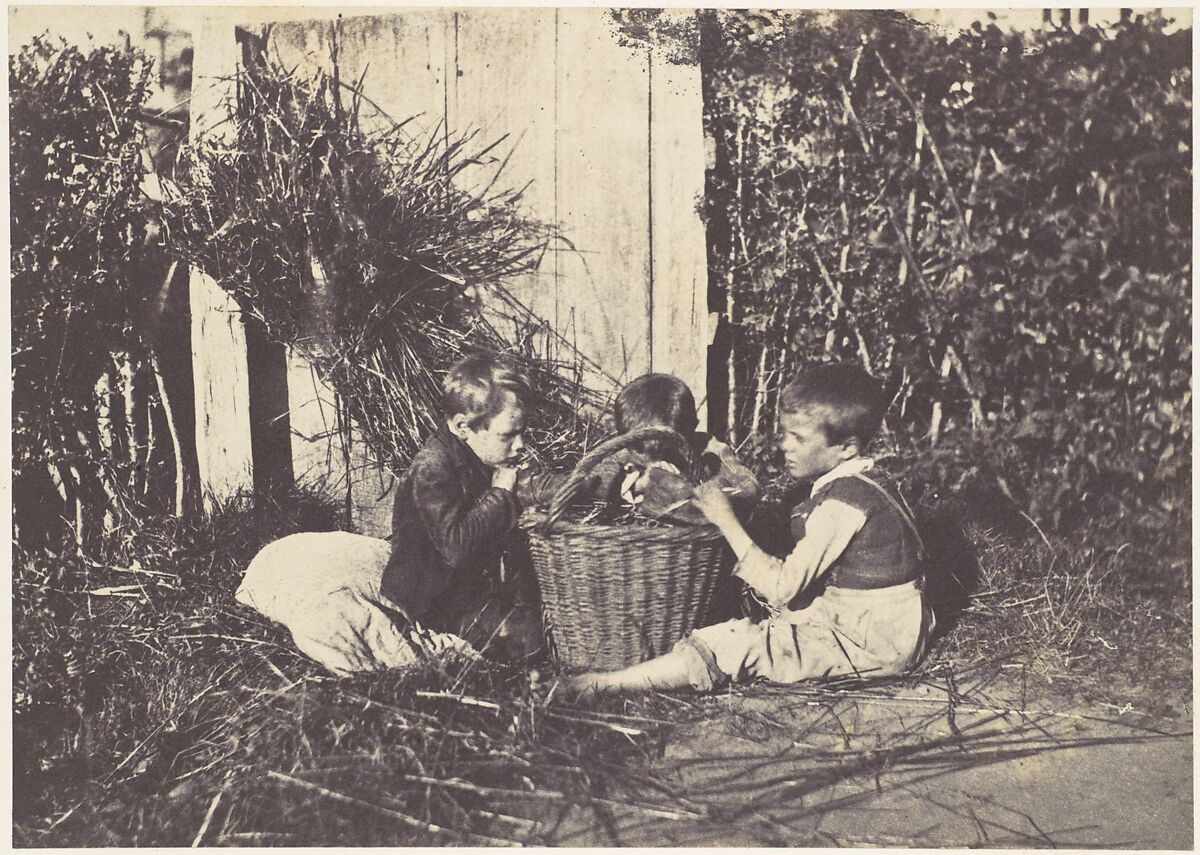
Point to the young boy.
(665, 400)
(854, 533)
(655, 400)
(356, 603)
(457, 503)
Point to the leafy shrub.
(83, 403)
(997, 224)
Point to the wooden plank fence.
(611, 138)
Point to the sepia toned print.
(579, 426)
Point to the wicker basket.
(614, 595)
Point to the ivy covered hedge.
(995, 223)
(998, 224)
(85, 405)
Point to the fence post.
(221, 376)
(679, 279)
(220, 371)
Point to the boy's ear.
(850, 449)
(458, 425)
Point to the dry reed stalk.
(256, 837)
(462, 699)
(390, 813)
(212, 810)
(369, 285)
(491, 792)
(624, 730)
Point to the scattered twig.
(56, 823)
(153, 732)
(391, 813)
(255, 641)
(135, 591)
(619, 728)
(256, 836)
(491, 792)
(462, 699)
(212, 809)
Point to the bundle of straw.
(360, 249)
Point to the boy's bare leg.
(669, 671)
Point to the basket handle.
(569, 491)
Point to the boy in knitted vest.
(854, 535)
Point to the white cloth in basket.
(324, 587)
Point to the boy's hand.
(714, 503)
(505, 477)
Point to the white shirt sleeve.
(827, 532)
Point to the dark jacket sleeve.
(535, 488)
(461, 528)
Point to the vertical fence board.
(316, 445)
(490, 93)
(222, 388)
(681, 334)
(404, 58)
(218, 342)
(602, 191)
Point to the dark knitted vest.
(886, 551)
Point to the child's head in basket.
(656, 400)
(485, 399)
(828, 415)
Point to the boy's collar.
(843, 470)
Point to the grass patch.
(152, 709)
(1068, 613)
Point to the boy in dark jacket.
(456, 505)
(356, 603)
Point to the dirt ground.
(985, 763)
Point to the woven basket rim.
(531, 519)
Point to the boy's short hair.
(653, 400)
(848, 402)
(477, 384)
